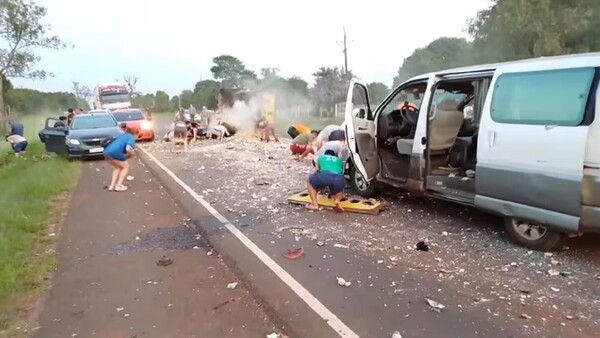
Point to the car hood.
(100, 133)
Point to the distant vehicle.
(112, 96)
(136, 119)
(83, 138)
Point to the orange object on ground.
(293, 253)
(302, 129)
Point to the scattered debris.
(273, 335)
(129, 178)
(210, 253)
(343, 282)
(435, 306)
(396, 335)
(164, 261)
(341, 246)
(220, 305)
(293, 253)
(525, 316)
(421, 246)
(320, 243)
(553, 272)
(232, 285)
(119, 309)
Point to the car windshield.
(115, 98)
(92, 122)
(132, 115)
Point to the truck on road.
(112, 96)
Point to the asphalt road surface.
(110, 282)
(472, 282)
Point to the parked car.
(536, 162)
(84, 136)
(136, 119)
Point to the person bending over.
(116, 154)
(301, 143)
(329, 174)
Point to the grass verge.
(34, 192)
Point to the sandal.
(121, 188)
(110, 188)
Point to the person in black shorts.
(180, 134)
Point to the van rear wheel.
(533, 235)
(360, 184)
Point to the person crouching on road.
(266, 130)
(301, 142)
(329, 174)
(18, 143)
(180, 133)
(116, 153)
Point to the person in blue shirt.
(16, 128)
(116, 153)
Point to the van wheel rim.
(361, 184)
(530, 231)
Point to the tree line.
(507, 30)
(512, 30)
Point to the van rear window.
(552, 97)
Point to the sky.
(169, 45)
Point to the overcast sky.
(169, 44)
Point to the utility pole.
(345, 50)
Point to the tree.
(231, 72)
(22, 32)
(175, 102)
(83, 94)
(161, 101)
(205, 93)
(440, 54)
(377, 92)
(331, 86)
(518, 29)
(131, 82)
(187, 98)
(298, 86)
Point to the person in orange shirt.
(298, 129)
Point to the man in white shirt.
(18, 143)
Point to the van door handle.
(362, 128)
(491, 138)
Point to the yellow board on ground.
(359, 205)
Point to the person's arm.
(130, 147)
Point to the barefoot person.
(329, 174)
(116, 153)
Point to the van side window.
(553, 97)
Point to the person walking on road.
(116, 153)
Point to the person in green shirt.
(301, 142)
(329, 174)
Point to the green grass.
(32, 123)
(29, 196)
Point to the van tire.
(549, 240)
(366, 189)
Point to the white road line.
(342, 329)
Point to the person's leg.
(122, 174)
(115, 173)
(315, 182)
(336, 189)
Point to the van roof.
(570, 59)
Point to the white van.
(519, 139)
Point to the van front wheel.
(360, 184)
(532, 235)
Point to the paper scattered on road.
(130, 178)
(273, 335)
(232, 285)
(396, 335)
(343, 282)
(119, 309)
(436, 306)
(341, 246)
(553, 272)
(525, 316)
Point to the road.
(109, 283)
(236, 190)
